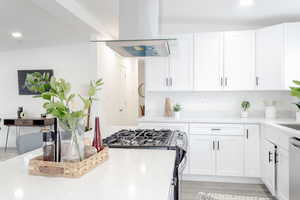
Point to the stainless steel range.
(154, 139)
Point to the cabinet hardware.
(222, 82)
(276, 158)
(257, 80)
(167, 82)
(247, 133)
(213, 145)
(218, 145)
(215, 129)
(270, 157)
(171, 82)
(225, 81)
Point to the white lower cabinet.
(229, 155)
(202, 155)
(282, 174)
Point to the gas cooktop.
(141, 138)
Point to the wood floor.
(190, 189)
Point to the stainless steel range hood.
(140, 47)
(138, 30)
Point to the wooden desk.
(42, 122)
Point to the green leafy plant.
(245, 105)
(56, 93)
(177, 108)
(295, 91)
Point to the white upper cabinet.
(270, 58)
(277, 56)
(156, 74)
(208, 61)
(239, 60)
(181, 62)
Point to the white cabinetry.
(282, 174)
(239, 60)
(277, 53)
(268, 163)
(252, 153)
(216, 150)
(208, 61)
(174, 72)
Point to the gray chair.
(30, 142)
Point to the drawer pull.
(215, 129)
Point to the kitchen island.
(128, 174)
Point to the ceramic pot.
(244, 114)
(177, 115)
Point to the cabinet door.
(282, 174)
(208, 61)
(202, 159)
(230, 156)
(292, 60)
(157, 72)
(252, 146)
(270, 58)
(268, 165)
(181, 62)
(239, 60)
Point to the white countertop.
(231, 120)
(128, 175)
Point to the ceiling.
(264, 12)
(39, 27)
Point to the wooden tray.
(66, 169)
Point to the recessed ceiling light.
(16, 34)
(246, 3)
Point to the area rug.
(218, 196)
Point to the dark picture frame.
(22, 77)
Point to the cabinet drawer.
(216, 129)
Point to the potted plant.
(177, 108)
(245, 106)
(295, 91)
(60, 103)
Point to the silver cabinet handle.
(247, 133)
(167, 82)
(218, 145)
(270, 157)
(215, 129)
(222, 82)
(213, 145)
(171, 82)
(257, 81)
(226, 81)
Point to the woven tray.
(66, 169)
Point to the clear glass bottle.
(48, 146)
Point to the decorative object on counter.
(245, 106)
(142, 110)
(60, 104)
(44, 115)
(97, 142)
(177, 109)
(93, 89)
(39, 167)
(270, 109)
(89, 151)
(168, 107)
(295, 91)
(48, 145)
(20, 113)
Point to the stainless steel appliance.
(155, 139)
(294, 168)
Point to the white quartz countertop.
(129, 174)
(230, 120)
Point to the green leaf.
(296, 82)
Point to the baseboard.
(223, 179)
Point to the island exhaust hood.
(138, 30)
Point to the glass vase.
(72, 144)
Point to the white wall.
(76, 63)
(216, 104)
